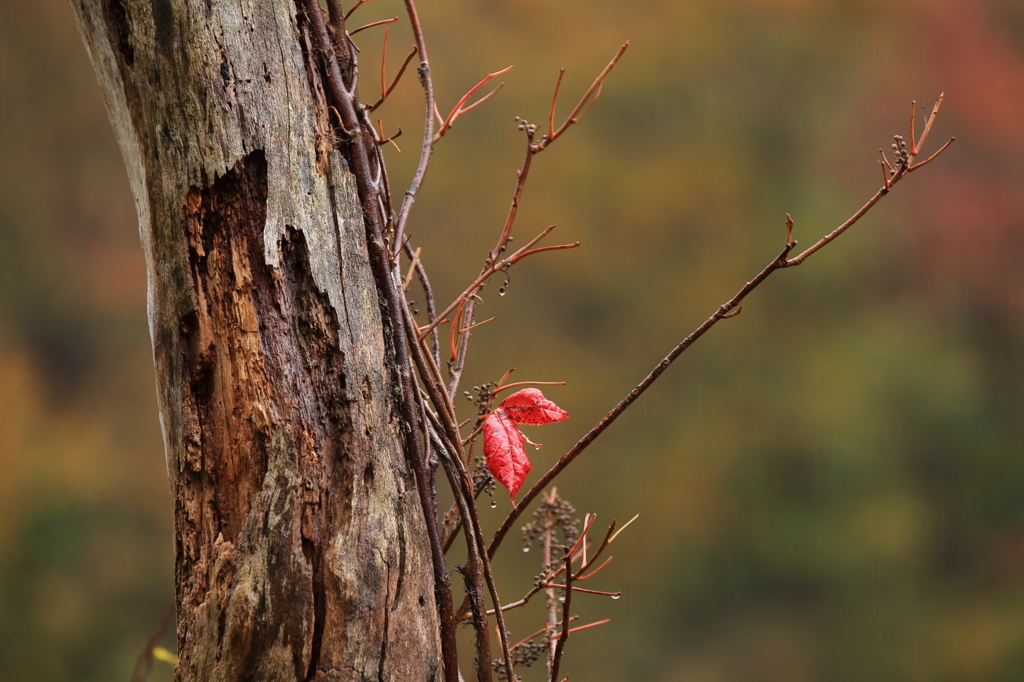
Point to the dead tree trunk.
(301, 551)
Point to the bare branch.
(375, 23)
(779, 262)
(593, 90)
(459, 110)
(398, 77)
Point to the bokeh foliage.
(832, 484)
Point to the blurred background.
(831, 484)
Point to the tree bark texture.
(300, 546)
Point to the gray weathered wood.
(300, 547)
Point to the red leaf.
(504, 448)
(529, 406)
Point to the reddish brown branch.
(590, 625)
(596, 570)
(913, 116)
(459, 110)
(779, 262)
(592, 91)
(488, 272)
(382, 22)
(381, 142)
(384, 65)
(580, 589)
(356, 6)
(474, 326)
(515, 259)
(398, 77)
(554, 101)
(542, 631)
(931, 158)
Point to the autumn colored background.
(831, 484)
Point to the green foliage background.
(832, 484)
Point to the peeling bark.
(300, 547)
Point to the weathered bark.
(300, 544)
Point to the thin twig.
(541, 632)
(931, 158)
(554, 101)
(383, 22)
(580, 589)
(356, 6)
(398, 77)
(384, 64)
(596, 570)
(428, 294)
(526, 383)
(412, 269)
(624, 527)
(928, 124)
(488, 272)
(459, 110)
(474, 326)
(574, 116)
(381, 142)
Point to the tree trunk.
(301, 550)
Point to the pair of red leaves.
(505, 446)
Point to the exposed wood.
(300, 544)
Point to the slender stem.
(456, 370)
(596, 570)
(595, 86)
(458, 110)
(560, 647)
(474, 572)
(428, 124)
(385, 22)
(554, 101)
(428, 293)
(612, 415)
(931, 158)
(913, 117)
(398, 77)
